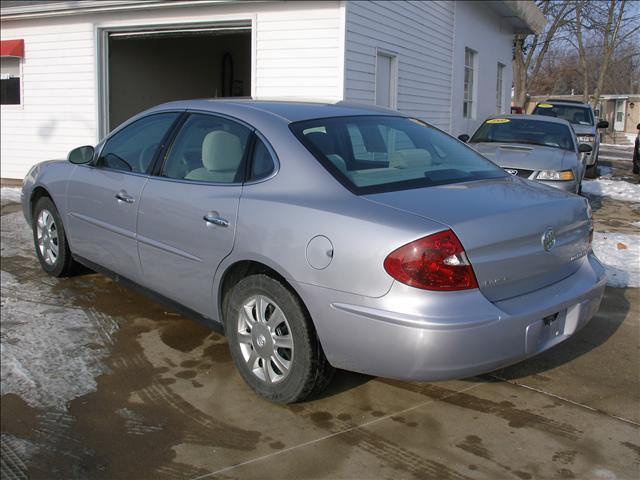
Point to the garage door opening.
(146, 68)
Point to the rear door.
(103, 197)
(187, 218)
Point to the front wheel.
(52, 248)
(591, 171)
(273, 342)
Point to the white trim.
(16, 106)
(92, 6)
(342, 42)
(246, 22)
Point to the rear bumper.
(412, 334)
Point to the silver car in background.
(533, 147)
(323, 236)
(583, 121)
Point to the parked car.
(320, 236)
(533, 147)
(584, 123)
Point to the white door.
(618, 123)
(385, 81)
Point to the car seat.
(221, 158)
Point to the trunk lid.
(501, 224)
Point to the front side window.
(578, 115)
(531, 132)
(132, 149)
(469, 83)
(369, 154)
(10, 81)
(208, 149)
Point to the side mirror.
(585, 148)
(81, 155)
(464, 137)
(603, 124)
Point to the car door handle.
(122, 196)
(215, 220)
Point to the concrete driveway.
(99, 382)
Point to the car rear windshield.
(371, 154)
(532, 132)
(572, 113)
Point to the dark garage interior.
(148, 68)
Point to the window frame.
(393, 78)
(500, 88)
(469, 87)
(17, 106)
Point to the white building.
(71, 71)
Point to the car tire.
(263, 317)
(50, 240)
(591, 171)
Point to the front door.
(187, 218)
(104, 197)
(618, 124)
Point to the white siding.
(420, 34)
(58, 108)
(297, 52)
(478, 28)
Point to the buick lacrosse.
(323, 236)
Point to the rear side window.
(132, 149)
(208, 149)
(262, 164)
(370, 154)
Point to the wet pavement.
(99, 382)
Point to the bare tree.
(606, 25)
(530, 50)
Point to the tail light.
(436, 262)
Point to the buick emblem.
(511, 171)
(261, 341)
(548, 239)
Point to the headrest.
(221, 151)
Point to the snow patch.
(17, 238)
(50, 350)
(9, 195)
(615, 189)
(622, 264)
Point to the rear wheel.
(273, 342)
(52, 248)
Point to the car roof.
(288, 110)
(540, 118)
(570, 103)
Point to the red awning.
(12, 48)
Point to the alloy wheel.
(47, 237)
(265, 339)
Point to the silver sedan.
(323, 236)
(534, 147)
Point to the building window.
(386, 80)
(10, 81)
(469, 83)
(499, 93)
